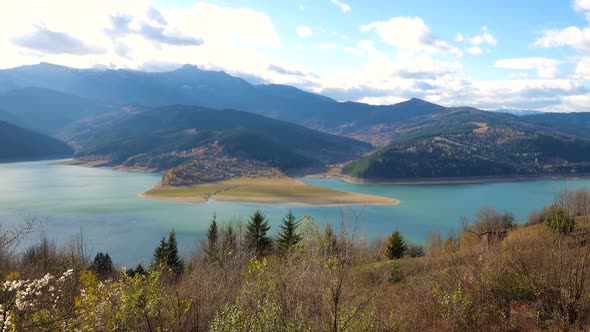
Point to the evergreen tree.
(395, 246)
(160, 254)
(288, 236)
(166, 254)
(256, 238)
(139, 270)
(102, 266)
(172, 259)
(211, 249)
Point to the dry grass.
(264, 190)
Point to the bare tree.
(10, 236)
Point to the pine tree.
(138, 271)
(166, 254)
(160, 254)
(256, 238)
(395, 246)
(172, 259)
(288, 236)
(211, 249)
(102, 266)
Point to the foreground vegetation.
(492, 275)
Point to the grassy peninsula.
(265, 190)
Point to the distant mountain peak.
(188, 66)
(417, 102)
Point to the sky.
(525, 54)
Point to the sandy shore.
(103, 163)
(280, 190)
(83, 163)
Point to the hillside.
(22, 144)
(237, 142)
(466, 142)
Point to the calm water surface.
(103, 205)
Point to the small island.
(263, 190)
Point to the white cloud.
(485, 37)
(570, 36)
(582, 70)
(410, 33)
(304, 31)
(582, 5)
(343, 7)
(546, 68)
(477, 41)
(301, 7)
(475, 50)
(133, 34)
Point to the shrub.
(560, 222)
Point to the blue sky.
(488, 54)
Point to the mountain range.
(126, 117)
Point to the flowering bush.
(28, 304)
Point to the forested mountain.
(468, 142)
(578, 123)
(173, 135)
(22, 144)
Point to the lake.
(102, 204)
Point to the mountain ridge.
(20, 144)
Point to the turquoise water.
(103, 205)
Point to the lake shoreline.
(447, 181)
(31, 159)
